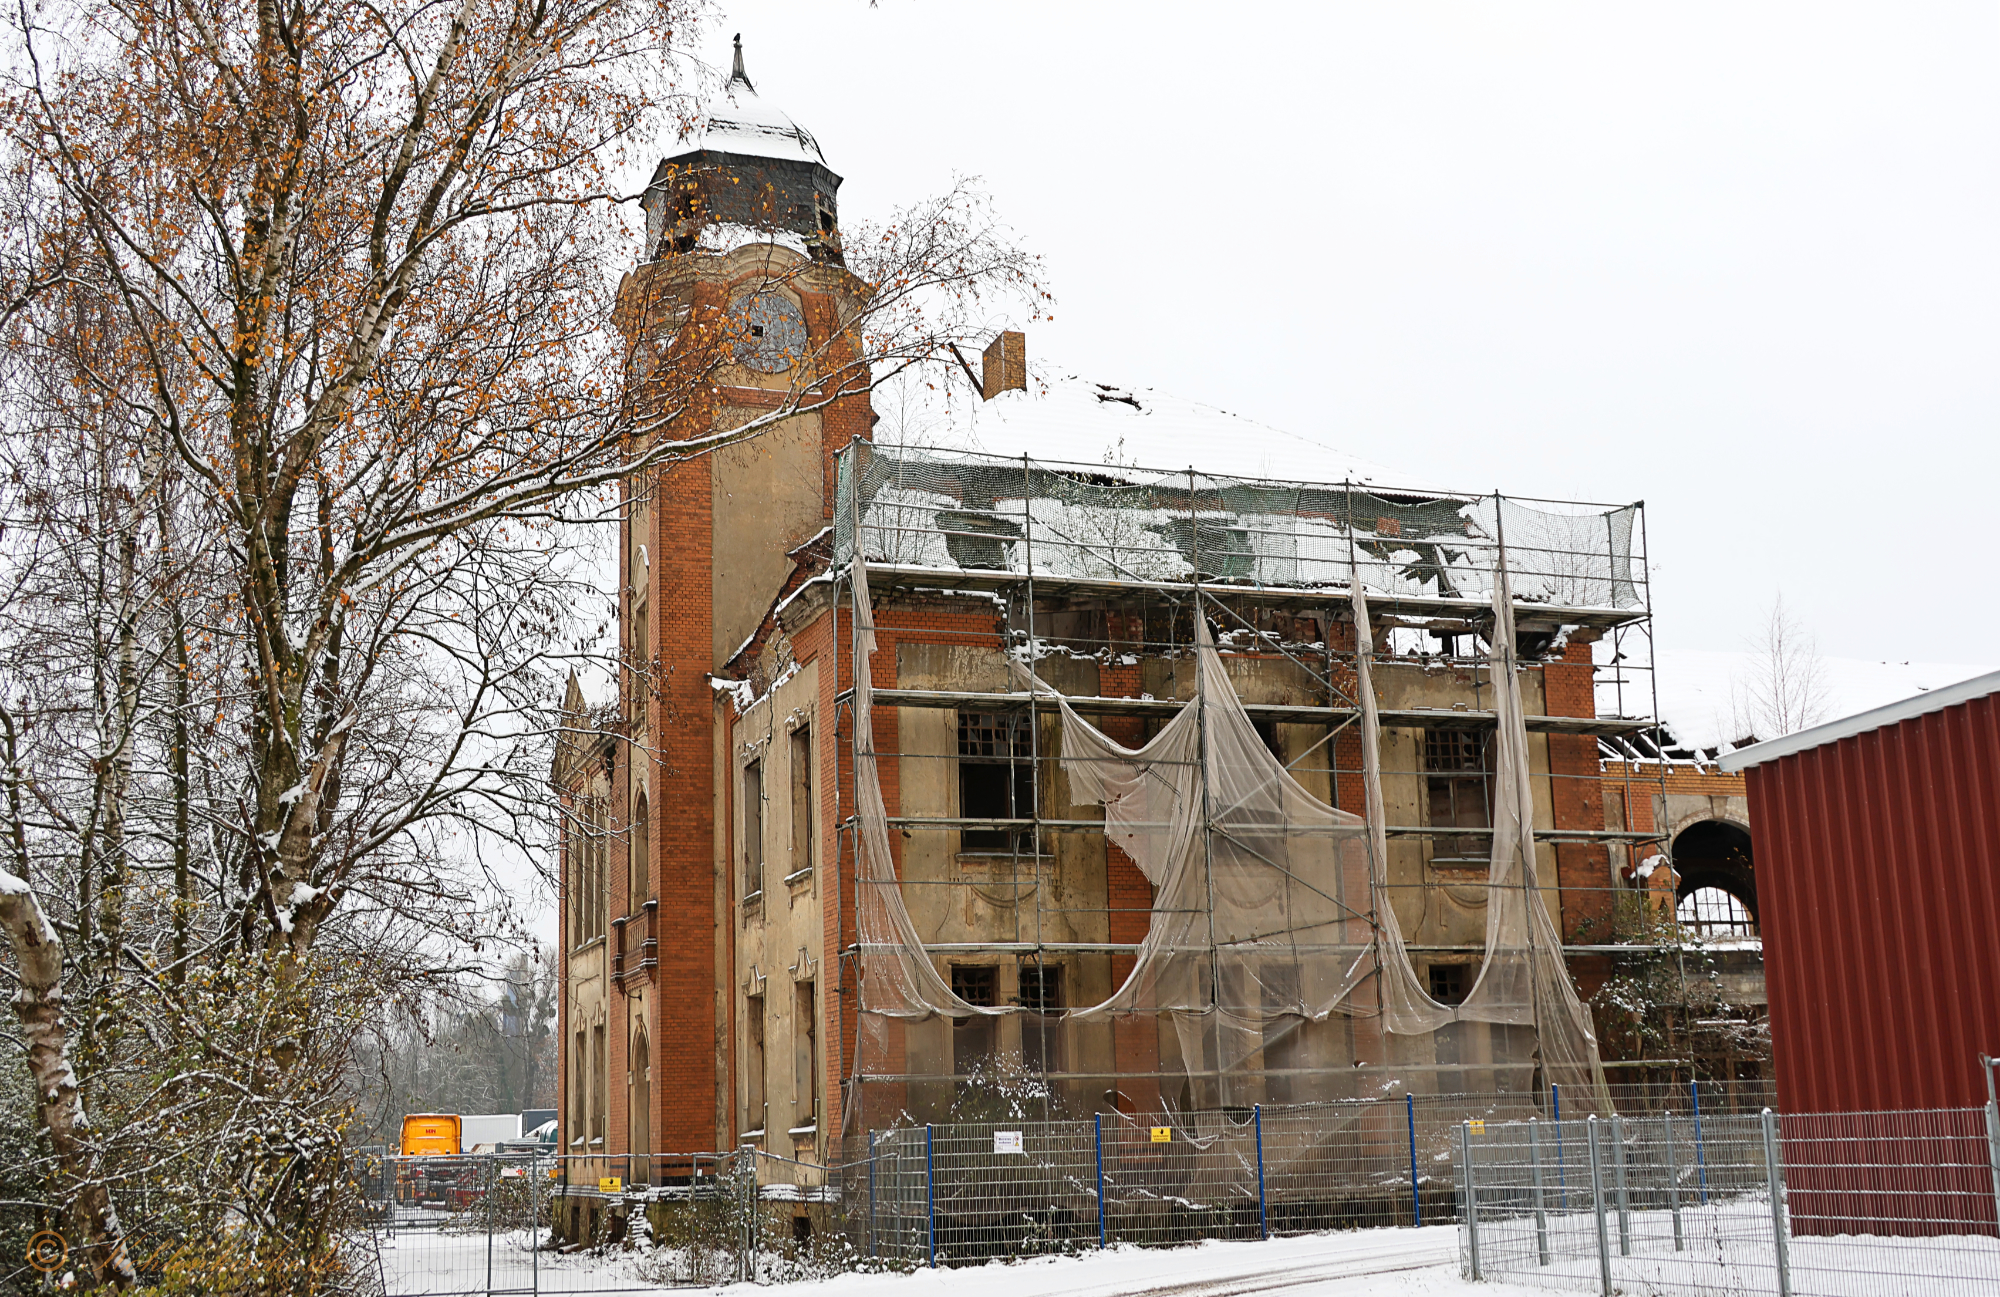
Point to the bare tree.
(1782, 688)
(320, 297)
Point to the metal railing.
(1801, 1205)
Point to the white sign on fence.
(1007, 1141)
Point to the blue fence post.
(1416, 1202)
(1700, 1156)
(1562, 1167)
(930, 1198)
(1100, 1180)
(1263, 1213)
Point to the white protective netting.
(1274, 966)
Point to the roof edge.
(1936, 700)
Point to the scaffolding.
(1042, 605)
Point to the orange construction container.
(428, 1134)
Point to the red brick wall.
(683, 807)
(1636, 784)
(1583, 869)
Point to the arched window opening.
(1716, 879)
(1712, 912)
(639, 1113)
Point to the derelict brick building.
(802, 902)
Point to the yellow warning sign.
(1478, 1126)
(610, 1184)
(1163, 1134)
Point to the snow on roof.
(1065, 417)
(1139, 485)
(742, 123)
(1936, 700)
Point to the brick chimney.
(1006, 365)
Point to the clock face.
(771, 331)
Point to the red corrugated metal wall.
(1878, 882)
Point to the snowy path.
(1377, 1263)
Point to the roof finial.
(737, 73)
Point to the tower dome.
(748, 173)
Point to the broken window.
(805, 1051)
(1268, 731)
(972, 1038)
(1450, 983)
(753, 1063)
(1458, 784)
(996, 780)
(802, 800)
(1712, 912)
(1041, 1018)
(753, 828)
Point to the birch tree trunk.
(94, 1228)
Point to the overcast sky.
(1738, 260)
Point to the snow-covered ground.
(1727, 1251)
(1377, 1263)
(1727, 1248)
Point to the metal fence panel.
(1828, 1205)
(1669, 1196)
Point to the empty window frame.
(996, 780)
(600, 865)
(641, 852)
(802, 800)
(642, 661)
(1458, 791)
(753, 1064)
(753, 828)
(805, 1060)
(579, 1091)
(576, 873)
(1042, 1005)
(588, 852)
(600, 1087)
(972, 1038)
(1450, 983)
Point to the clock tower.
(738, 311)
